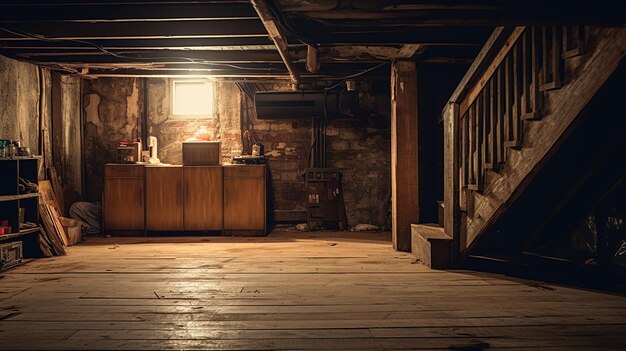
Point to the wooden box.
(72, 229)
(11, 255)
(202, 153)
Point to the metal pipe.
(278, 37)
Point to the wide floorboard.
(288, 291)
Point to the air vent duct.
(305, 105)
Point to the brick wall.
(360, 148)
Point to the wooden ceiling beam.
(423, 36)
(188, 58)
(383, 5)
(129, 30)
(15, 13)
(382, 19)
(139, 44)
(181, 56)
(93, 50)
(462, 12)
(116, 2)
(278, 37)
(330, 67)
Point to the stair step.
(513, 144)
(532, 116)
(431, 245)
(550, 86)
(441, 212)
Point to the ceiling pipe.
(278, 37)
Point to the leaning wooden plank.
(55, 241)
(57, 187)
(44, 244)
(51, 230)
(48, 227)
(47, 194)
(56, 219)
(60, 239)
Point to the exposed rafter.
(277, 36)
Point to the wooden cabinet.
(231, 199)
(244, 199)
(164, 198)
(123, 200)
(203, 198)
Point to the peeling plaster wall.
(112, 110)
(19, 103)
(25, 94)
(20, 89)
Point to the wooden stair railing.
(509, 92)
(503, 88)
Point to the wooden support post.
(451, 179)
(404, 156)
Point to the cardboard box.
(202, 153)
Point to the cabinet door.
(164, 198)
(203, 198)
(244, 203)
(123, 204)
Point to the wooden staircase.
(526, 87)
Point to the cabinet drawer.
(134, 171)
(244, 171)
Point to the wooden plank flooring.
(291, 290)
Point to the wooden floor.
(290, 290)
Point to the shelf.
(18, 197)
(22, 232)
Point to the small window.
(192, 99)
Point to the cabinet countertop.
(170, 165)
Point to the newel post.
(451, 185)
